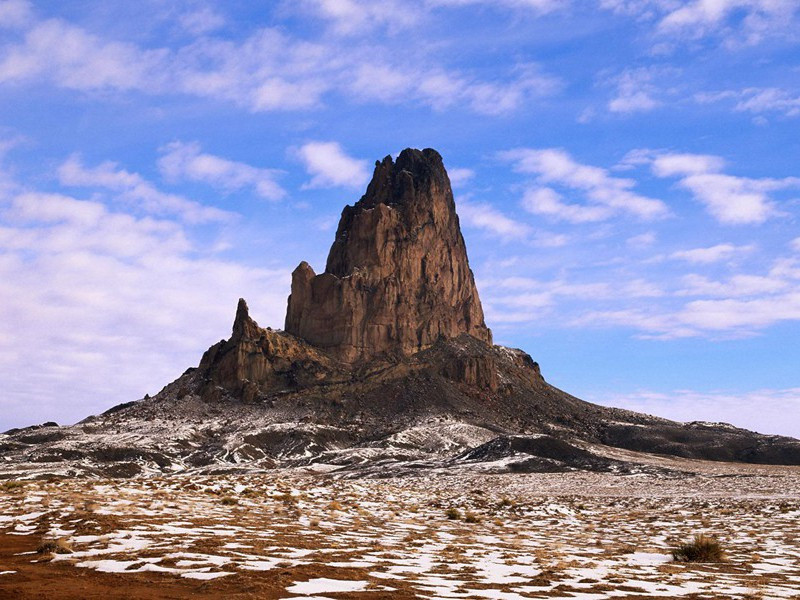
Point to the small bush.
(702, 549)
(471, 517)
(228, 501)
(59, 546)
(453, 514)
(8, 486)
(335, 506)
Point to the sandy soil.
(297, 534)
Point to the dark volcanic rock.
(397, 276)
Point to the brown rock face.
(397, 276)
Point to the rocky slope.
(386, 366)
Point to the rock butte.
(397, 277)
(386, 367)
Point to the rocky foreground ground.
(305, 534)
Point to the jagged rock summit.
(386, 367)
(397, 276)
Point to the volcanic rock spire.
(397, 276)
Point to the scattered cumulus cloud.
(605, 194)
(330, 166)
(182, 161)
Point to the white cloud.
(670, 165)
(138, 192)
(186, 161)
(643, 240)
(538, 6)
(442, 89)
(75, 59)
(330, 166)
(460, 177)
(546, 201)
(201, 20)
(737, 285)
(729, 199)
(700, 17)
(485, 216)
(734, 22)
(795, 243)
(15, 13)
(756, 100)
(94, 284)
(762, 410)
(635, 92)
(350, 17)
(711, 254)
(267, 71)
(733, 314)
(606, 195)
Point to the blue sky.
(626, 173)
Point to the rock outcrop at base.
(397, 277)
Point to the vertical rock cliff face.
(397, 275)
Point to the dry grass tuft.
(702, 549)
(57, 546)
(453, 514)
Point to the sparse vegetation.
(12, 485)
(57, 546)
(471, 517)
(228, 501)
(702, 549)
(453, 514)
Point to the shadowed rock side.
(397, 276)
(387, 368)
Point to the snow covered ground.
(440, 535)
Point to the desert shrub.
(453, 514)
(471, 517)
(702, 549)
(335, 506)
(59, 546)
(11, 485)
(228, 501)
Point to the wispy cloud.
(606, 195)
(482, 215)
(268, 71)
(182, 161)
(756, 100)
(734, 22)
(133, 189)
(635, 92)
(730, 199)
(712, 254)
